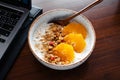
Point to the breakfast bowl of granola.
(61, 47)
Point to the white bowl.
(46, 17)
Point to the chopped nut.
(53, 36)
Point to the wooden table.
(103, 64)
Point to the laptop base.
(13, 51)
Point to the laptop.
(13, 13)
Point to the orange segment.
(64, 51)
(75, 27)
(76, 40)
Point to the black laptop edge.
(13, 51)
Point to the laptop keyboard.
(8, 19)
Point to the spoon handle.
(84, 9)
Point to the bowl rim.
(39, 59)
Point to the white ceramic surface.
(43, 19)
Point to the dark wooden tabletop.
(103, 64)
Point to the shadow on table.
(72, 74)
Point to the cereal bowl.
(39, 27)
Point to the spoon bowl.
(65, 21)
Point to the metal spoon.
(65, 21)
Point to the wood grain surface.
(103, 64)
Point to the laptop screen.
(21, 3)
